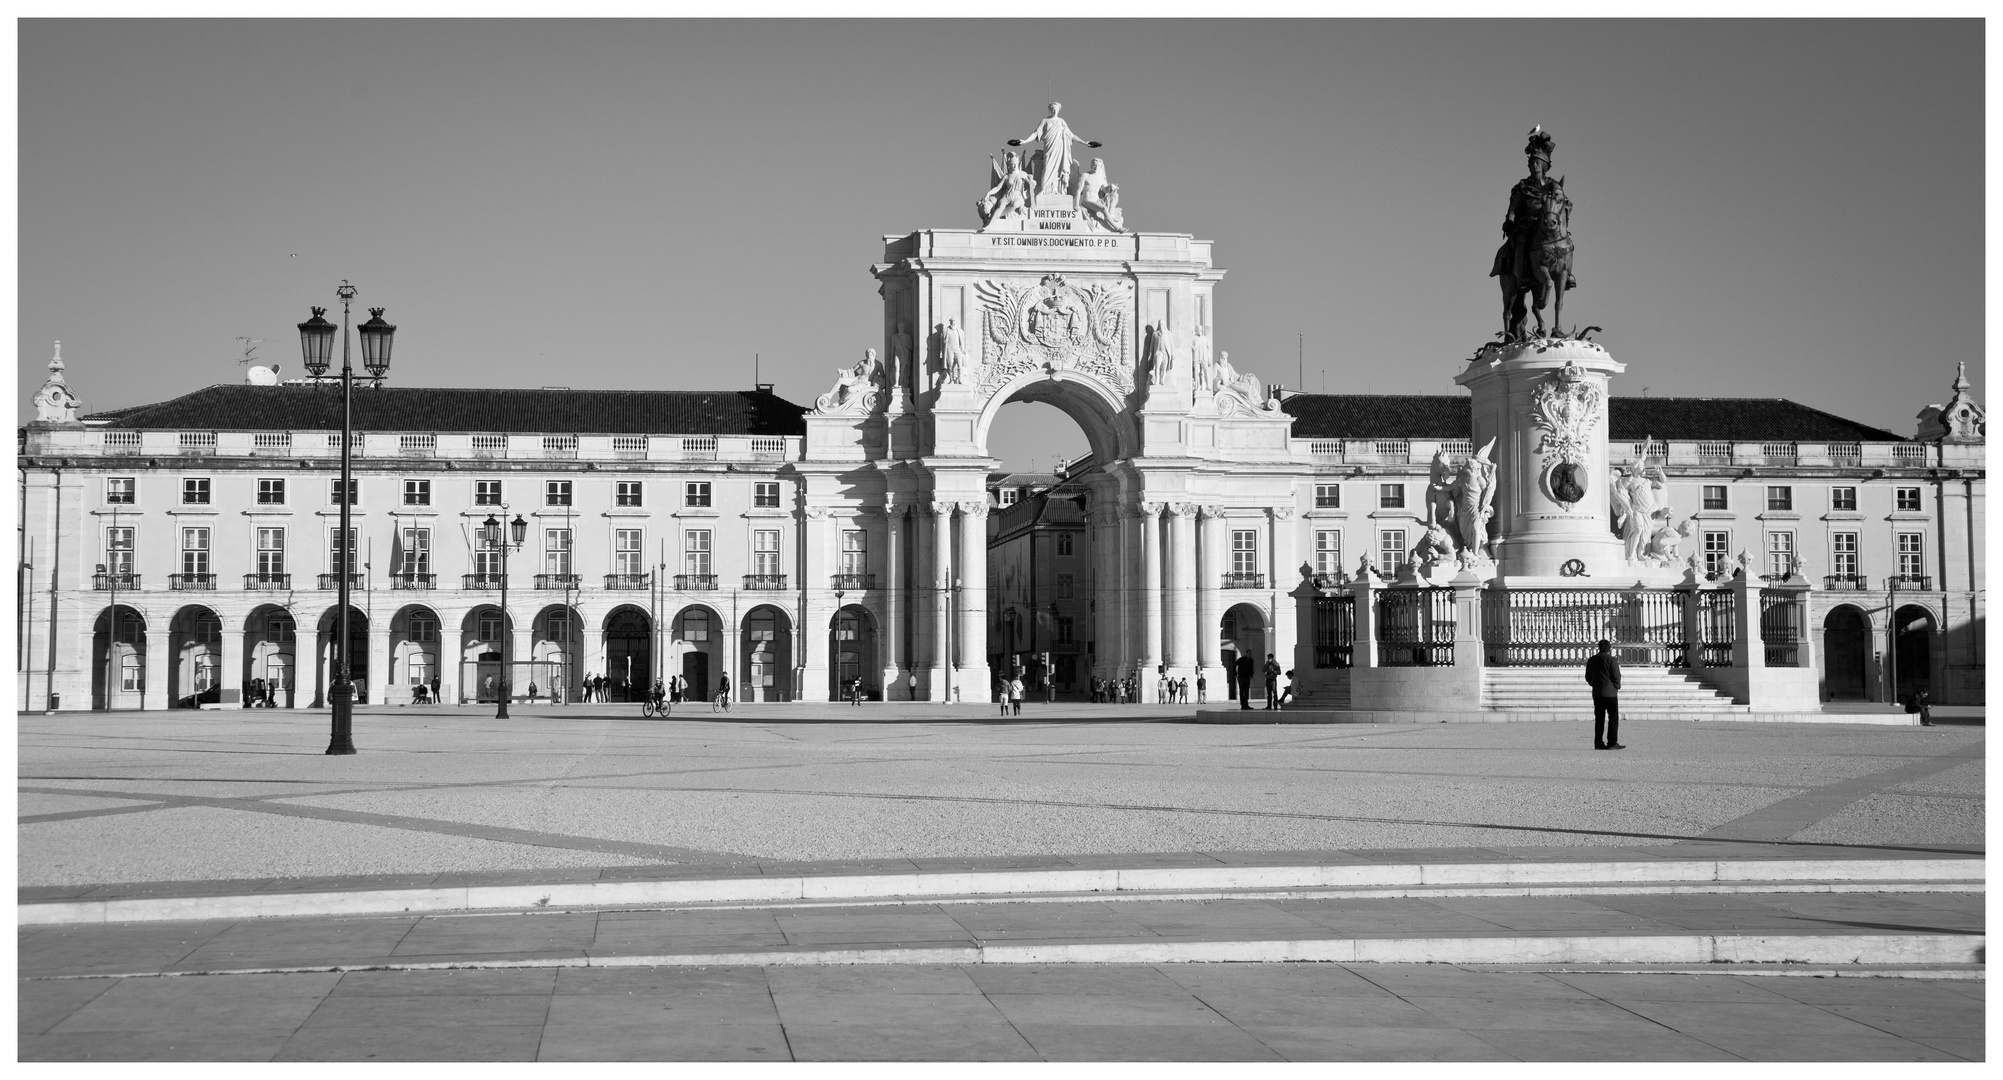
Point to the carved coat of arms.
(1053, 325)
(1565, 407)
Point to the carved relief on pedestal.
(1052, 325)
(1565, 407)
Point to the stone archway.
(852, 652)
(195, 647)
(1913, 650)
(118, 659)
(1243, 632)
(1846, 655)
(767, 653)
(270, 658)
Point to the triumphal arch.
(1054, 297)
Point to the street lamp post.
(490, 534)
(316, 344)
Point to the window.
(121, 489)
(486, 493)
(279, 628)
(556, 551)
(1390, 549)
(765, 551)
(334, 559)
(1714, 497)
(271, 552)
(1912, 554)
(208, 666)
(1390, 496)
(855, 551)
(417, 493)
(1843, 554)
(765, 494)
(1780, 553)
(1843, 498)
(271, 492)
(423, 627)
(132, 675)
(354, 492)
(627, 556)
(695, 624)
(1908, 500)
(420, 669)
(1067, 629)
(558, 626)
(1328, 496)
(1244, 551)
(196, 492)
(490, 626)
(1064, 542)
(487, 563)
(416, 555)
(1717, 552)
(627, 493)
(695, 493)
(119, 546)
(1780, 497)
(1007, 496)
(556, 493)
(1327, 552)
(1065, 584)
(194, 551)
(695, 552)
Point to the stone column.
(892, 657)
(158, 656)
(1286, 573)
(231, 674)
(1182, 591)
(941, 572)
(1104, 523)
(519, 673)
(379, 677)
(1149, 653)
(1209, 571)
(815, 606)
(971, 672)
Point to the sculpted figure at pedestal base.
(855, 388)
(1472, 495)
(1010, 195)
(1098, 197)
(1638, 509)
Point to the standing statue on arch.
(1535, 262)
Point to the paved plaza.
(209, 810)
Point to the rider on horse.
(1536, 227)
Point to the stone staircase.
(1643, 690)
(1331, 691)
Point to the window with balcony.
(1390, 496)
(628, 552)
(696, 553)
(354, 492)
(1907, 500)
(627, 493)
(1064, 545)
(195, 553)
(1390, 549)
(1067, 630)
(556, 553)
(765, 494)
(486, 493)
(1843, 556)
(695, 493)
(121, 490)
(765, 552)
(1327, 553)
(120, 548)
(413, 560)
(1780, 554)
(1244, 572)
(195, 491)
(335, 553)
(1843, 498)
(556, 493)
(855, 552)
(1716, 497)
(271, 554)
(271, 492)
(1717, 553)
(1327, 496)
(1912, 557)
(417, 493)
(1780, 497)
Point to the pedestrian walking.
(1272, 672)
(1202, 689)
(435, 699)
(1603, 675)
(1015, 695)
(1245, 665)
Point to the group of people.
(593, 687)
(260, 694)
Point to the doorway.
(1846, 643)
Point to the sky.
(1762, 208)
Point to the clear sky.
(1762, 208)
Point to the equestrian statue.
(1535, 261)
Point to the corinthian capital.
(1182, 509)
(1147, 509)
(1283, 513)
(1211, 510)
(817, 513)
(976, 509)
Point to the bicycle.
(656, 707)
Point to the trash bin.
(55, 702)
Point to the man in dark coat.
(1245, 665)
(1272, 671)
(1603, 675)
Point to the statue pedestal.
(1544, 402)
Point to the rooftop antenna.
(755, 380)
(1300, 361)
(250, 345)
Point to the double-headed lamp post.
(490, 535)
(316, 344)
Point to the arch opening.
(1846, 654)
(195, 650)
(118, 659)
(270, 675)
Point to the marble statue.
(1535, 260)
(1435, 546)
(1049, 152)
(1473, 496)
(1161, 355)
(1091, 190)
(953, 351)
(1663, 547)
(1199, 358)
(855, 388)
(1010, 195)
(900, 355)
(1638, 506)
(1439, 488)
(55, 403)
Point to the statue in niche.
(900, 354)
(1010, 195)
(1199, 357)
(1160, 361)
(855, 388)
(1098, 197)
(1473, 495)
(952, 352)
(1638, 507)
(1049, 151)
(1535, 261)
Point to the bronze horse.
(1548, 256)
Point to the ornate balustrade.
(1563, 627)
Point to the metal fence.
(1415, 627)
(1717, 614)
(1782, 616)
(1334, 631)
(1562, 627)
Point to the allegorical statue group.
(1046, 167)
(1459, 503)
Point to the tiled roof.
(416, 408)
(1439, 416)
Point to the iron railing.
(626, 581)
(1909, 582)
(1334, 631)
(556, 581)
(1415, 627)
(1563, 627)
(333, 581)
(1782, 616)
(852, 582)
(481, 581)
(191, 582)
(268, 582)
(695, 582)
(1244, 581)
(1717, 627)
(765, 582)
(1844, 582)
(102, 582)
(413, 581)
